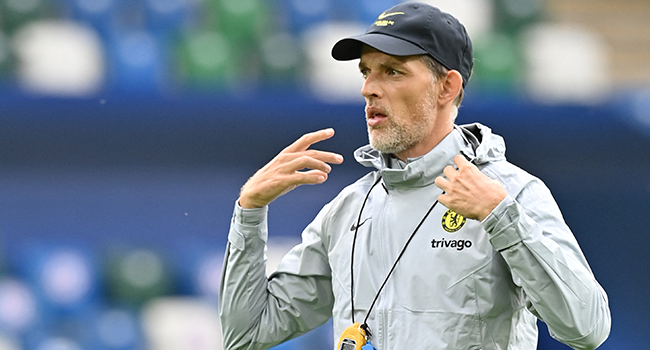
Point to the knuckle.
(304, 159)
(305, 137)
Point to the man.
(446, 245)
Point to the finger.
(309, 139)
(291, 162)
(306, 162)
(461, 161)
(329, 157)
(449, 171)
(309, 177)
(442, 183)
(443, 199)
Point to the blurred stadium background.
(128, 126)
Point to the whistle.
(353, 338)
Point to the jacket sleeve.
(259, 312)
(548, 264)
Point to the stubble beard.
(395, 136)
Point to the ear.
(450, 87)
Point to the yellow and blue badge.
(452, 221)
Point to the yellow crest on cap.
(381, 22)
(384, 14)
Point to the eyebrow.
(391, 62)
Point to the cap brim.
(350, 48)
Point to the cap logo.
(384, 14)
(381, 22)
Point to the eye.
(393, 72)
(364, 72)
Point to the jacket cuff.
(501, 224)
(247, 224)
(249, 217)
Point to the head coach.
(443, 245)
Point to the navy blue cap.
(414, 28)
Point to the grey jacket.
(461, 284)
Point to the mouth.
(374, 116)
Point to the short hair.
(439, 72)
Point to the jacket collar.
(418, 172)
(475, 141)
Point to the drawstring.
(472, 140)
(354, 241)
(364, 325)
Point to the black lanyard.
(364, 325)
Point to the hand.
(468, 191)
(286, 171)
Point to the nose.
(370, 88)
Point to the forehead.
(369, 53)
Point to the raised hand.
(468, 191)
(296, 165)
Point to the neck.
(435, 137)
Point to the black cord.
(354, 241)
(470, 139)
(365, 325)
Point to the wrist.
(246, 203)
(493, 204)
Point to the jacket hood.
(475, 141)
(486, 146)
